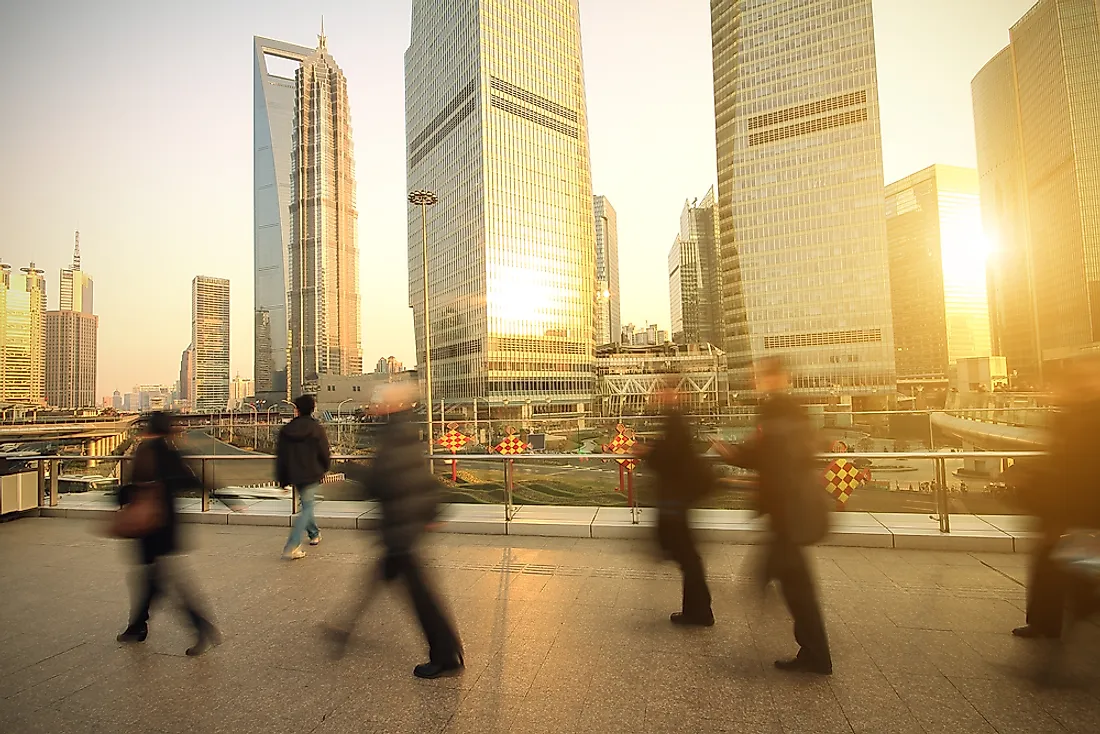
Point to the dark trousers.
(153, 579)
(443, 643)
(786, 563)
(675, 537)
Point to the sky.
(131, 121)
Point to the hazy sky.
(131, 121)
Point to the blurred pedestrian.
(302, 458)
(148, 514)
(792, 494)
(1063, 491)
(400, 480)
(683, 476)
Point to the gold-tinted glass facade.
(802, 226)
(607, 322)
(937, 271)
(210, 342)
(1051, 71)
(22, 335)
(496, 126)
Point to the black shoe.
(208, 638)
(435, 670)
(804, 665)
(1031, 632)
(679, 618)
(133, 634)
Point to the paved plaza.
(561, 635)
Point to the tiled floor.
(561, 635)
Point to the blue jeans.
(304, 522)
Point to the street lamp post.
(340, 425)
(424, 199)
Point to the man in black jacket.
(302, 458)
(782, 453)
(400, 480)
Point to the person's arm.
(324, 451)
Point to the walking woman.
(149, 510)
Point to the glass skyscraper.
(324, 253)
(22, 335)
(937, 272)
(273, 125)
(1037, 125)
(694, 280)
(805, 272)
(607, 319)
(210, 344)
(496, 126)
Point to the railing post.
(205, 491)
(508, 477)
(55, 482)
(41, 482)
(943, 506)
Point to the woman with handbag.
(147, 514)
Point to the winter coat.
(302, 455)
(159, 467)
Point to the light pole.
(255, 423)
(340, 425)
(424, 199)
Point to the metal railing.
(49, 468)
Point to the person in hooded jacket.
(302, 458)
(400, 480)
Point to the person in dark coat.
(1063, 491)
(400, 480)
(782, 452)
(159, 468)
(302, 458)
(682, 477)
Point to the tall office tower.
(22, 335)
(187, 373)
(607, 318)
(497, 127)
(805, 272)
(76, 285)
(210, 341)
(937, 273)
(116, 400)
(71, 334)
(324, 255)
(273, 126)
(694, 280)
(1037, 126)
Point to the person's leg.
(444, 648)
(190, 603)
(146, 590)
(1046, 597)
(301, 520)
(798, 592)
(695, 606)
(309, 509)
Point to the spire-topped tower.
(76, 252)
(321, 39)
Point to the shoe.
(133, 634)
(1031, 632)
(679, 618)
(315, 541)
(295, 554)
(208, 638)
(804, 665)
(435, 670)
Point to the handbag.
(142, 515)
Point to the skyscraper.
(805, 272)
(937, 272)
(273, 127)
(496, 126)
(22, 335)
(210, 342)
(694, 280)
(71, 334)
(1037, 126)
(324, 254)
(607, 270)
(187, 374)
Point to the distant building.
(388, 366)
(187, 374)
(346, 393)
(116, 400)
(1037, 127)
(76, 285)
(209, 389)
(694, 275)
(606, 318)
(981, 375)
(240, 389)
(650, 336)
(629, 378)
(937, 272)
(71, 336)
(22, 336)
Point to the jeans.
(304, 522)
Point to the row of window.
(849, 336)
(851, 117)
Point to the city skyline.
(661, 42)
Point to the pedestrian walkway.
(561, 635)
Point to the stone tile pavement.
(561, 635)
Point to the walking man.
(782, 453)
(302, 458)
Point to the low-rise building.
(628, 377)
